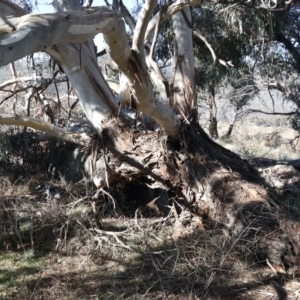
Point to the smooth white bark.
(55, 131)
(133, 66)
(39, 32)
(9, 9)
(141, 25)
(171, 10)
(158, 79)
(183, 61)
(52, 32)
(87, 80)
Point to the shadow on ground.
(200, 265)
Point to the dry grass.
(57, 252)
(271, 142)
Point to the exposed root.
(217, 187)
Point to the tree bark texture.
(213, 126)
(183, 100)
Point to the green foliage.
(287, 22)
(295, 121)
(228, 31)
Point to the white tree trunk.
(82, 70)
(80, 64)
(183, 61)
(55, 131)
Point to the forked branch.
(141, 26)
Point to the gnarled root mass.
(211, 186)
(203, 186)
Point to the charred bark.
(229, 131)
(213, 126)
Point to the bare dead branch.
(198, 34)
(249, 111)
(17, 80)
(12, 94)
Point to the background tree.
(222, 45)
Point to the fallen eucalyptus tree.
(209, 181)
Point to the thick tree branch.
(87, 80)
(158, 78)
(156, 31)
(37, 32)
(57, 132)
(130, 64)
(97, 101)
(156, 75)
(141, 26)
(119, 6)
(183, 93)
(9, 9)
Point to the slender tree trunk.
(213, 127)
(229, 131)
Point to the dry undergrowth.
(52, 249)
